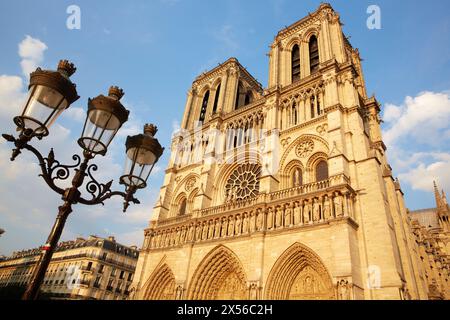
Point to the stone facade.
(93, 268)
(284, 192)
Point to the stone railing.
(313, 204)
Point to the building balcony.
(315, 204)
(84, 283)
(86, 269)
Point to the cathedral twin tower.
(284, 192)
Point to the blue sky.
(154, 50)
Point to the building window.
(243, 182)
(121, 274)
(97, 282)
(313, 54)
(204, 107)
(248, 98)
(295, 59)
(182, 207)
(294, 114)
(130, 276)
(321, 171)
(100, 268)
(216, 99)
(89, 266)
(113, 272)
(242, 98)
(318, 106)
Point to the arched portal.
(161, 284)
(299, 274)
(220, 276)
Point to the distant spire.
(444, 197)
(437, 195)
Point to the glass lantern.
(50, 93)
(104, 118)
(143, 151)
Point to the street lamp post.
(50, 93)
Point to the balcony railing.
(316, 203)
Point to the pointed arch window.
(321, 171)
(216, 99)
(204, 107)
(294, 114)
(295, 59)
(182, 207)
(248, 98)
(313, 109)
(319, 111)
(313, 54)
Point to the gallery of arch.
(285, 192)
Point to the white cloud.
(421, 177)
(418, 139)
(31, 51)
(75, 113)
(422, 119)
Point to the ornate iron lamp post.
(50, 93)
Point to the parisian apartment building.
(83, 269)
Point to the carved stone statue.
(191, 232)
(158, 240)
(223, 232)
(316, 210)
(167, 240)
(326, 208)
(337, 201)
(152, 241)
(198, 232)
(269, 218)
(211, 229)
(259, 219)
(178, 236)
(183, 235)
(245, 224)
(343, 289)
(306, 212)
(288, 215)
(230, 226)
(297, 214)
(237, 225)
(279, 217)
(205, 231)
(179, 293)
(297, 174)
(217, 229)
(253, 291)
(252, 222)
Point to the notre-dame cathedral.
(285, 192)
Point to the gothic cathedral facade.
(284, 192)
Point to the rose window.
(305, 148)
(243, 183)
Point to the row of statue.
(297, 213)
